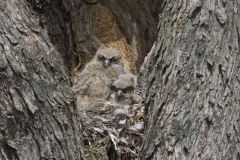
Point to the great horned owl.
(96, 78)
(111, 60)
(123, 89)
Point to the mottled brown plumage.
(123, 89)
(111, 60)
(95, 80)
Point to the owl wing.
(85, 78)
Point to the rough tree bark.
(37, 119)
(193, 86)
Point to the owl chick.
(95, 80)
(111, 60)
(123, 89)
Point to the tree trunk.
(193, 86)
(37, 119)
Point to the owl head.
(108, 57)
(124, 86)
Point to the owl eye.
(101, 58)
(114, 60)
(128, 88)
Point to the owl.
(111, 60)
(123, 89)
(95, 80)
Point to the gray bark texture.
(37, 119)
(192, 82)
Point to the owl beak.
(106, 63)
(120, 94)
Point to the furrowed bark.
(37, 119)
(192, 90)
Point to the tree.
(192, 87)
(37, 119)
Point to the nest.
(112, 131)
